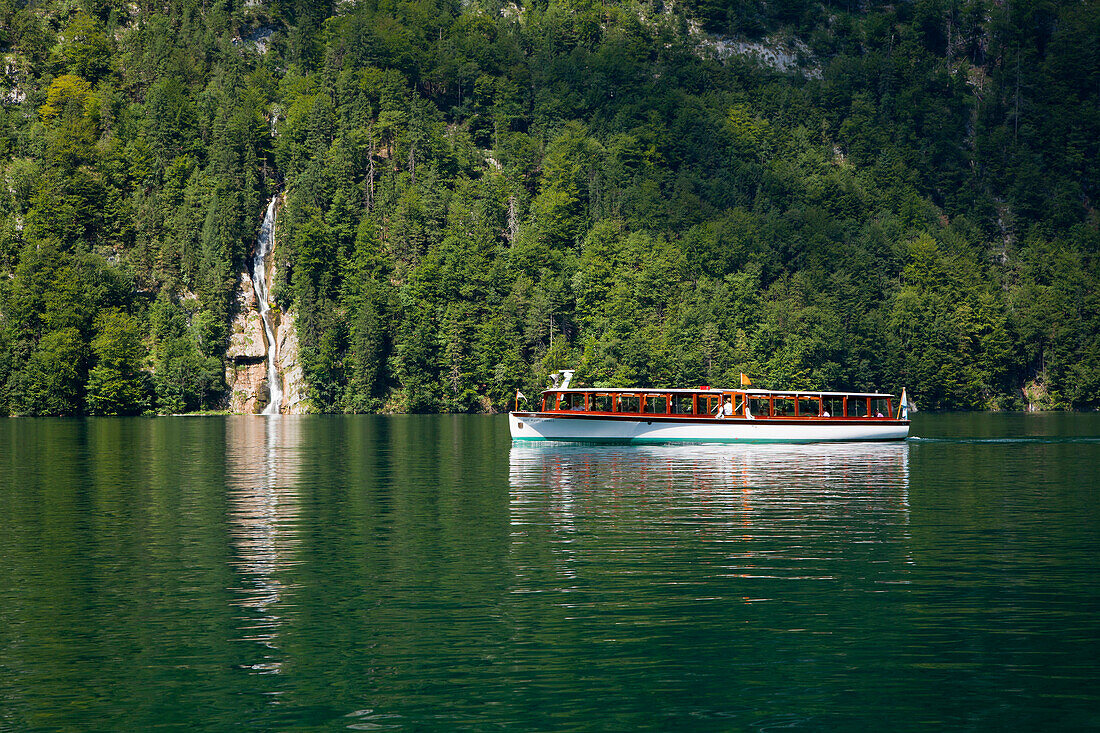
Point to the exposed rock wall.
(246, 338)
(246, 358)
(787, 55)
(290, 366)
(245, 369)
(248, 392)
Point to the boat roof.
(711, 390)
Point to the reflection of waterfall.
(262, 474)
(264, 244)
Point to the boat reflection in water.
(840, 469)
(263, 457)
(794, 511)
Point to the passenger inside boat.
(574, 401)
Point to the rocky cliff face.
(246, 368)
(246, 358)
(290, 366)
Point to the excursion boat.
(710, 415)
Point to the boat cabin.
(706, 402)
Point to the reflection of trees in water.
(759, 502)
(262, 472)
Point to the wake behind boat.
(711, 415)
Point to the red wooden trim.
(638, 417)
(700, 404)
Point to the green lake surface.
(423, 573)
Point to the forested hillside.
(820, 195)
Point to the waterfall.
(264, 244)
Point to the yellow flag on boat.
(745, 381)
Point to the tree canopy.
(820, 195)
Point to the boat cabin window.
(682, 404)
(834, 406)
(759, 406)
(628, 403)
(572, 401)
(879, 407)
(809, 406)
(857, 407)
(706, 404)
(655, 404)
(599, 402)
(783, 407)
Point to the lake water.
(422, 573)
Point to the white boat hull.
(535, 426)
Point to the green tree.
(117, 385)
(52, 381)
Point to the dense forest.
(817, 194)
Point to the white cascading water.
(264, 244)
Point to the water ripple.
(422, 573)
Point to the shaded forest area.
(480, 193)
